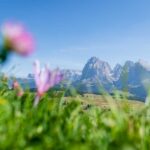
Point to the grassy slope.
(103, 101)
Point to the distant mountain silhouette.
(97, 77)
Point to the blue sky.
(69, 32)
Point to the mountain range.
(97, 77)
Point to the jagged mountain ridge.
(97, 76)
(96, 68)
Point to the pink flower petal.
(45, 78)
(17, 38)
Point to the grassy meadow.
(69, 123)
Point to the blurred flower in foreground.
(16, 86)
(17, 39)
(45, 79)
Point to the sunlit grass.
(59, 124)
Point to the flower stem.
(3, 54)
(36, 101)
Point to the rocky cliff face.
(135, 77)
(117, 72)
(97, 76)
(97, 69)
(71, 75)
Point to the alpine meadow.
(74, 75)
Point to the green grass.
(57, 124)
(103, 102)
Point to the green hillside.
(104, 101)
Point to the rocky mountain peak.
(97, 76)
(128, 64)
(117, 67)
(144, 64)
(96, 63)
(117, 71)
(71, 75)
(96, 69)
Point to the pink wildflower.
(17, 38)
(45, 79)
(16, 86)
(20, 92)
